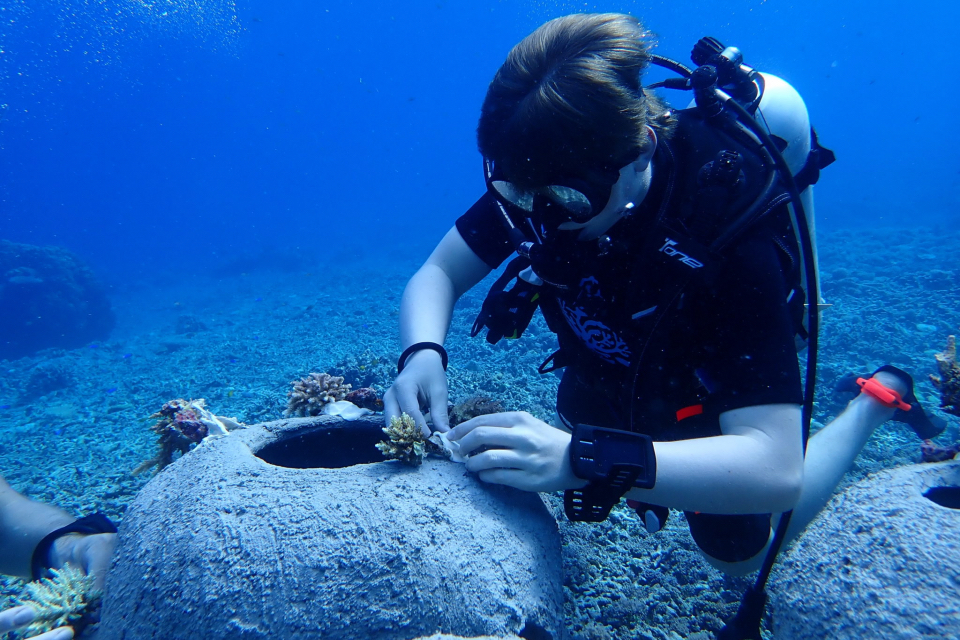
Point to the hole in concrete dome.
(333, 446)
(533, 631)
(948, 497)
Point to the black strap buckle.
(613, 461)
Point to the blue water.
(149, 142)
(253, 183)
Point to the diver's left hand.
(522, 451)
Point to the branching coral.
(407, 442)
(181, 423)
(948, 382)
(310, 394)
(68, 598)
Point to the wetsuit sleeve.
(752, 359)
(484, 232)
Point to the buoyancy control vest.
(710, 188)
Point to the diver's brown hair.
(568, 96)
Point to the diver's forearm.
(426, 307)
(23, 524)
(730, 474)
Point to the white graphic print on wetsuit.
(597, 336)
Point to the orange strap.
(887, 396)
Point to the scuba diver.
(671, 253)
(36, 537)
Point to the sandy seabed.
(237, 340)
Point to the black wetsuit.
(730, 343)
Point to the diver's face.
(629, 191)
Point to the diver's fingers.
(63, 633)
(420, 420)
(409, 403)
(391, 405)
(509, 477)
(505, 419)
(438, 408)
(16, 617)
(495, 459)
(408, 397)
(500, 438)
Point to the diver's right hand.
(17, 617)
(422, 383)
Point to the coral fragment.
(310, 394)
(68, 598)
(181, 423)
(406, 443)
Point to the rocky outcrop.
(48, 298)
(292, 529)
(880, 562)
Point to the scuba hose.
(746, 624)
(717, 64)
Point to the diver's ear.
(644, 160)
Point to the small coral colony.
(68, 597)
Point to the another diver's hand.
(89, 553)
(17, 617)
(521, 451)
(422, 383)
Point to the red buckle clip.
(887, 396)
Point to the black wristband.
(88, 525)
(420, 346)
(613, 461)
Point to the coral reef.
(180, 424)
(948, 382)
(67, 598)
(473, 407)
(49, 299)
(310, 394)
(365, 398)
(407, 442)
(932, 452)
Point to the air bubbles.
(43, 44)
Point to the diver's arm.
(756, 466)
(428, 300)
(425, 311)
(23, 524)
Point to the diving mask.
(567, 199)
